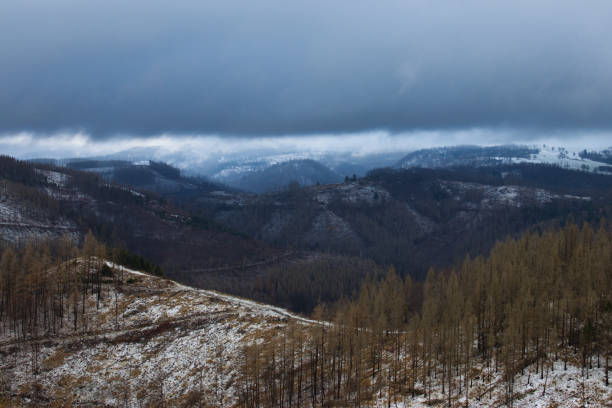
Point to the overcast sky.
(138, 70)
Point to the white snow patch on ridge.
(54, 177)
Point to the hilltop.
(149, 339)
(490, 156)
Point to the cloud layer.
(239, 68)
(202, 149)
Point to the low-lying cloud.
(202, 149)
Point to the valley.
(262, 245)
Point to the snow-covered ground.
(54, 177)
(156, 338)
(19, 222)
(568, 158)
(511, 196)
(153, 336)
(563, 157)
(559, 388)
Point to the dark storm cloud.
(253, 67)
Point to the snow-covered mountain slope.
(149, 337)
(41, 201)
(574, 159)
(20, 221)
(560, 387)
(153, 341)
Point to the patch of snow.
(54, 177)
(563, 157)
(354, 192)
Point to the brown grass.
(100, 357)
(184, 311)
(55, 360)
(66, 380)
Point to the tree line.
(534, 305)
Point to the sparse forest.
(536, 303)
(44, 285)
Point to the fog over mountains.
(266, 171)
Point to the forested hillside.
(530, 322)
(45, 284)
(169, 232)
(43, 201)
(305, 245)
(417, 218)
(79, 330)
(481, 335)
(280, 176)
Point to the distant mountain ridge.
(464, 155)
(277, 177)
(165, 179)
(255, 174)
(149, 175)
(229, 167)
(479, 156)
(43, 201)
(417, 217)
